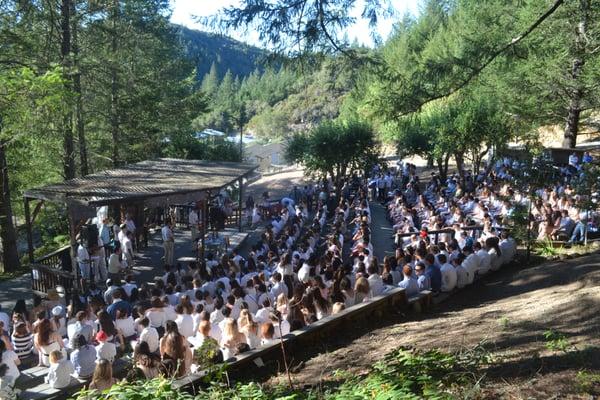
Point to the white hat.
(57, 311)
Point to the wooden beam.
(28, 223)
(36, 211)
(240, 202)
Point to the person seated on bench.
(7, 385)
(145, 362)
(59, 374)
(102, 378)
(409, 283)
(46, 341)
(83, 358)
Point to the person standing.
(168, 243)
(193, 221)
(115, 266)
(84, 261)
(131, 228)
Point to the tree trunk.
(79, 123)
(460, 165)
(442, 164)
(65, 51)
(576, 92)
(114, 85)
(8, 235)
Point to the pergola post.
(28, 223)
(73, 246)
(240, 202)
(204, 225)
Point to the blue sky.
(184, 12)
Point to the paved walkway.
(148, 264)
(381, 232)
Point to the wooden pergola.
(161, 182)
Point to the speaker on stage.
(89, 235)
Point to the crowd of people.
(314, 259)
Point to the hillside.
(227, 53)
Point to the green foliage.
(546, 249)
(588, 382)
(413, 374)
(519, 222)
(210, 50)
(153, 389)
(557, 341)
(404, 374)
(186, 146)
(294, 27)
(334, 148)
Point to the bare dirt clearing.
(508, 312)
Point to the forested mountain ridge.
(205, 48)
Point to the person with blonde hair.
(59, 374)
(231, 338)
(102, 378)
(338, 308)
(282, 304)
(362, 290)
(249, 328)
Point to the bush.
(154, 389)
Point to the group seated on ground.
(309, 264)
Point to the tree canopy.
(334, 149)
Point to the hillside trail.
(507, 313)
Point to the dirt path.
(508, 312)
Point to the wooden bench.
(32, 385)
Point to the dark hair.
(80, 342)
(106, 323)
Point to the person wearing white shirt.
(484, 259)
(278, 287)
(573, 160)
(304, 273)
(462, 276)
(285, 329)
(184, 321)
(130, 224)
(122, 232)
(508, 247)
(193, 221)
(105, 350)
(168, 243)
(263, 314)
(129, 285)
(375, 281)
(449, 276)
(127, 247)
(84, 261)
(59, 374)
(149, 335)
(471, 263)
(11, 360)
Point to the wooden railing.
(44, 278)
(59, 259)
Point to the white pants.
(169, 248)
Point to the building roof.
(147, 179)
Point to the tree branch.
(476, 71)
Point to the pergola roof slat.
(146, 179)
